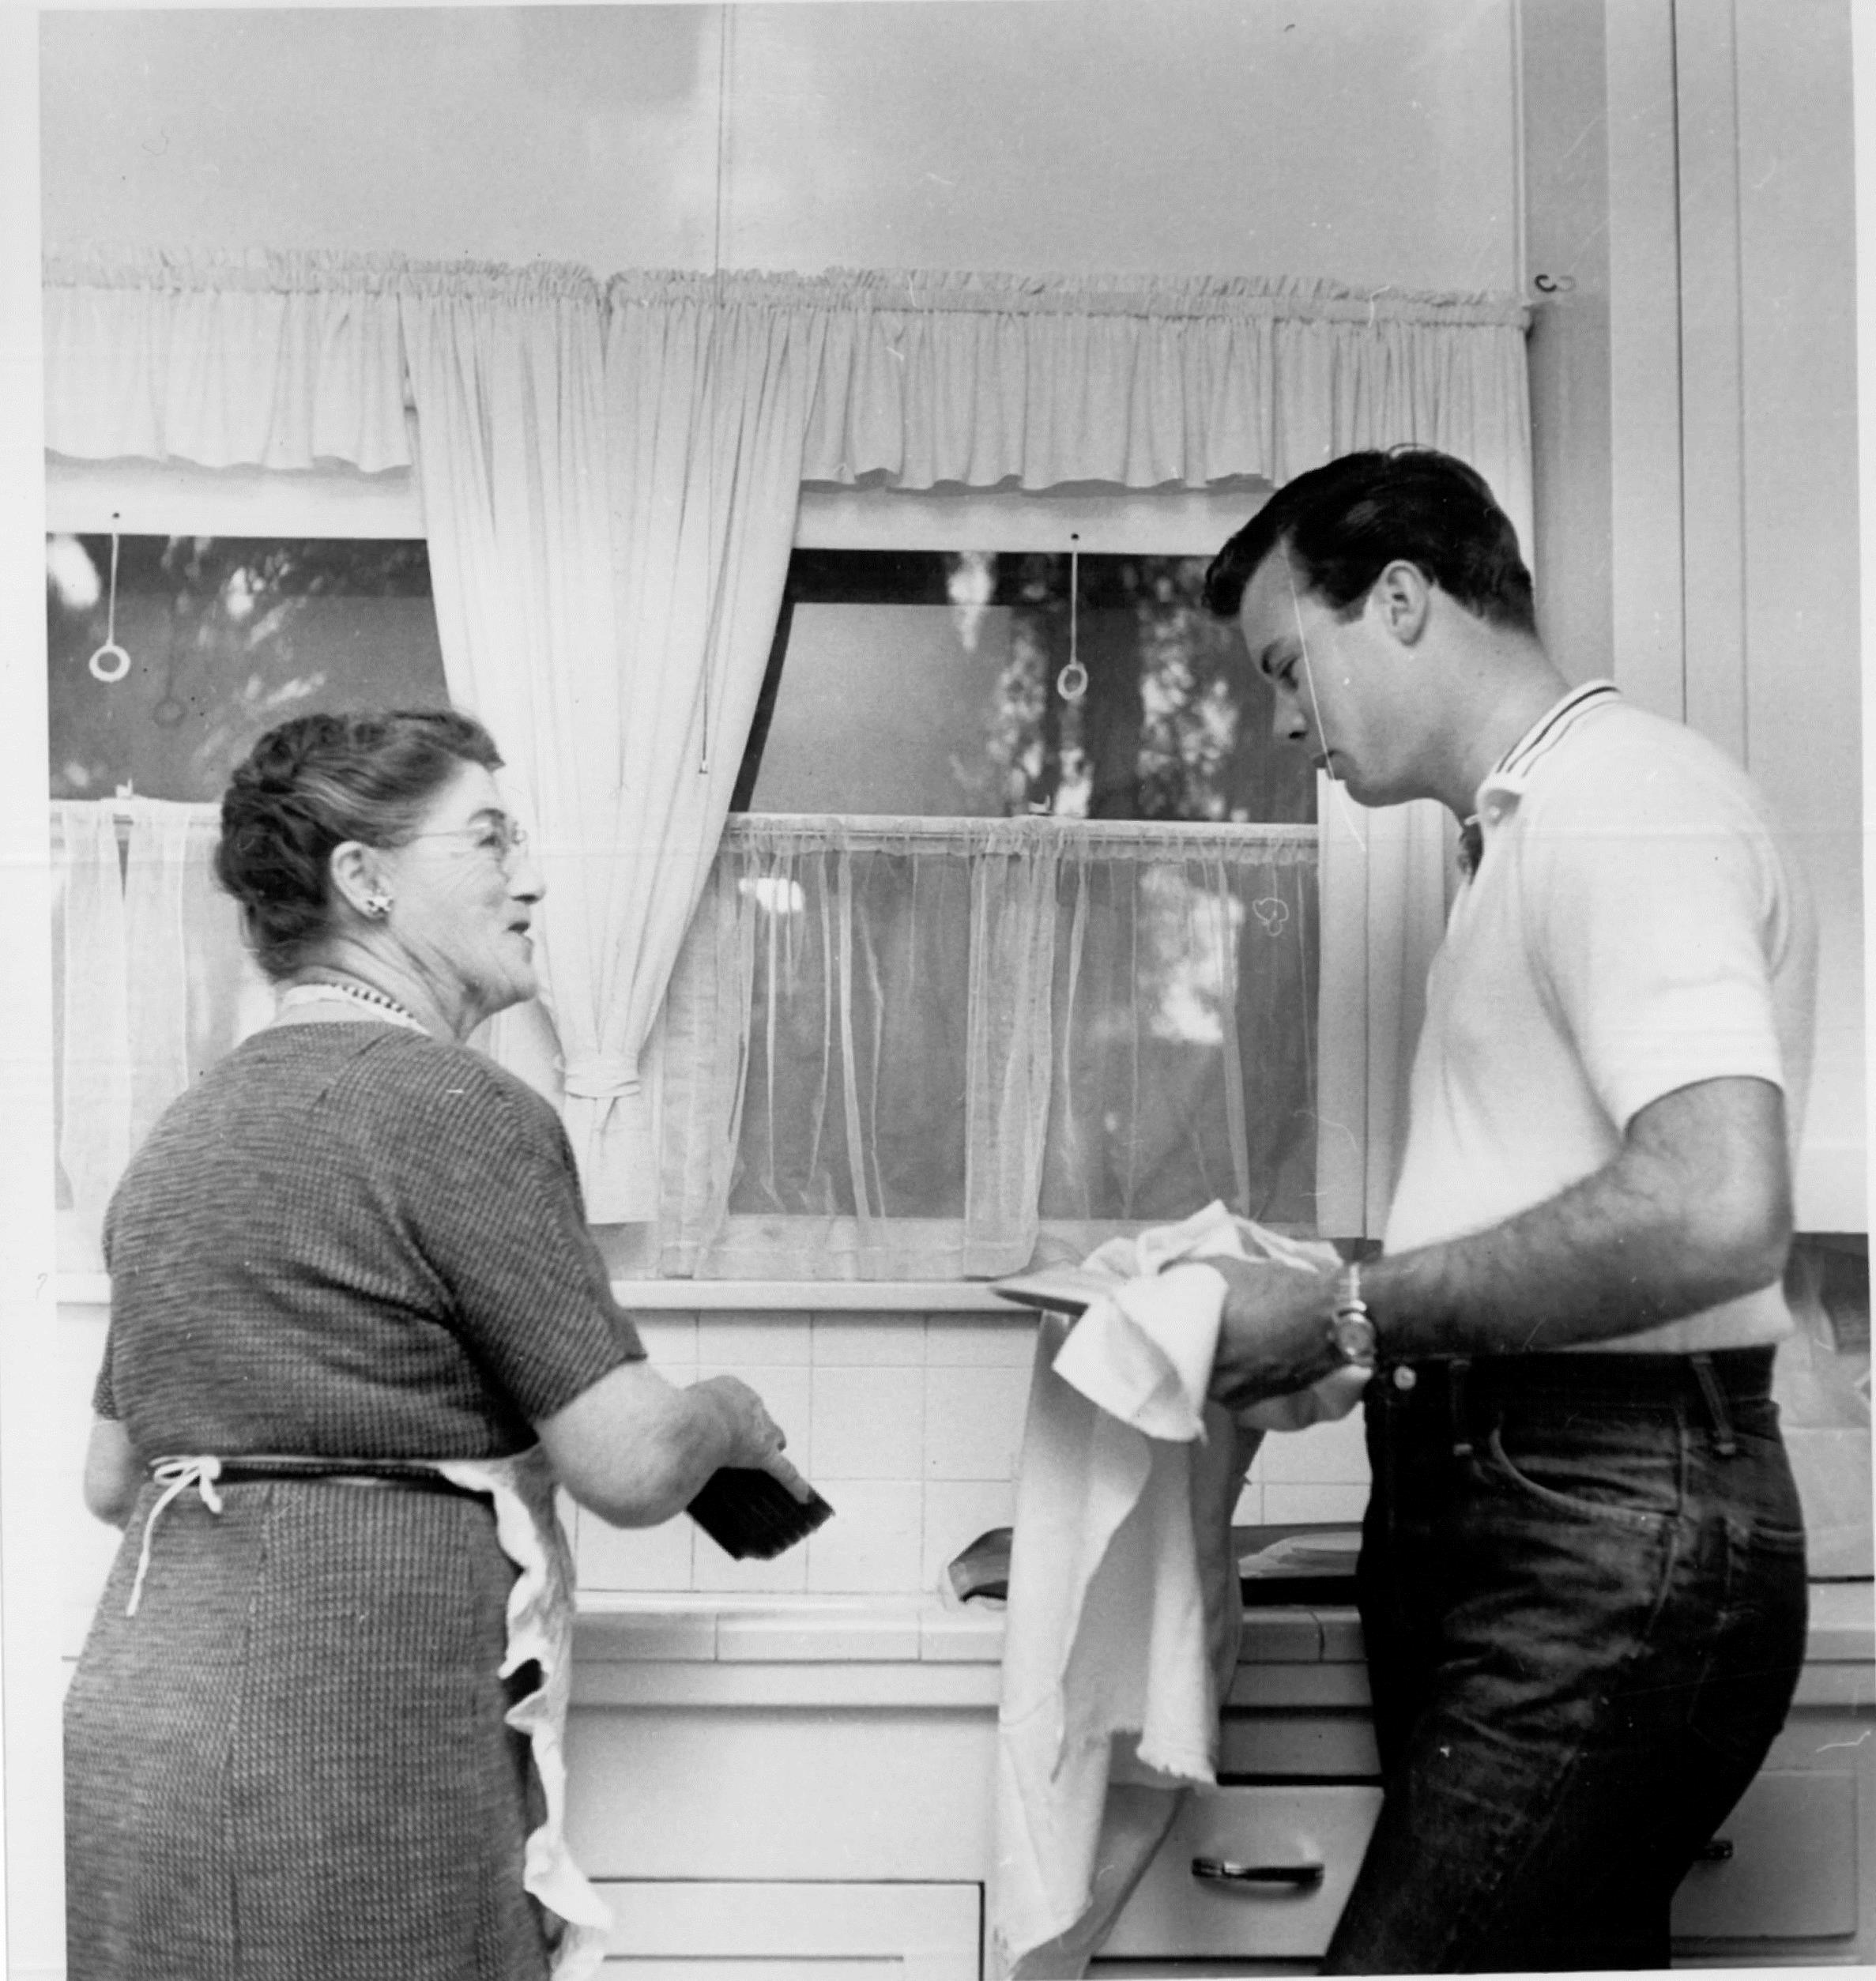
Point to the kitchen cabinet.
(806, 1791)
(1769, 254)
(1789, 1880)
(1779, 1884)
(1723, 315)
(1784, 1868)
(1264, 1867)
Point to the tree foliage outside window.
(226, 636)
(944, 670)
(910, 685)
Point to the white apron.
(541, 1615)
(539, 1630)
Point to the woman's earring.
(378, 904)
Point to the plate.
(1058, 1290)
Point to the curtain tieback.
(600, 1076)
(175, 1475)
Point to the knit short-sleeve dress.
(291, 1763)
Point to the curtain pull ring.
(110, 662)
(1071, 683)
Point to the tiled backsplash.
(911, 1426)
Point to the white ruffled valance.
(288, 360)
(280, 361)
(921, 291)
(1139, 381)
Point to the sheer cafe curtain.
(152, 985)
(908, 1048)
(892, 1049)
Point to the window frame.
(176, 497)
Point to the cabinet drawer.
(1267, 1827)
(1791, 1873)
(727, 1929)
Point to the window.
(221, 637)
(983, 972)
(930, 682)
(986, 966)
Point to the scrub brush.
(750, 1514)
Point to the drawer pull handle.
(1218, 1870)
(1719, 1852)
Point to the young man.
(1582, 1576)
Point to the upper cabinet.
(1798, 697)
(1690, 240)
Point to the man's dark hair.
(1345, 522)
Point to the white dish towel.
(1121, 1635)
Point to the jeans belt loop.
(1456, 1402)
(1724, 1440)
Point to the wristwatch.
(1351, 1332)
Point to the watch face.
(1354, 1339)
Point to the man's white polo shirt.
(1631, 928)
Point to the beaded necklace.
(375, 1000)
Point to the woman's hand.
(112, 1472)
(758, 1439)
(634, 1449)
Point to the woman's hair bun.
(310, 784)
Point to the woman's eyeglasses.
(502, 839)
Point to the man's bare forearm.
(1604, 1259)
(1694, 1211)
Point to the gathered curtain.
(610, 474)
(707, 404)
(506, 374)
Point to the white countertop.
(680, 1627)
(886, 1652)
(675, 1627)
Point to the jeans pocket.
(1757, 1484)
(1756, 1649)
(1585, 1474)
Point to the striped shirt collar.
(1545, 734)
(1508, 776)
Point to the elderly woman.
(359, 1332)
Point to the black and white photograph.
(936, 1017)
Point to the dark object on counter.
(1056, 1289)
(983, 1568)
(1304, 1562)
(752, 1515)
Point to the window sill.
(723, 1296)
(815, 1296)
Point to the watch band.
(1348, 1290)
(1351, 1327)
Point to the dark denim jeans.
(1583, 1593)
